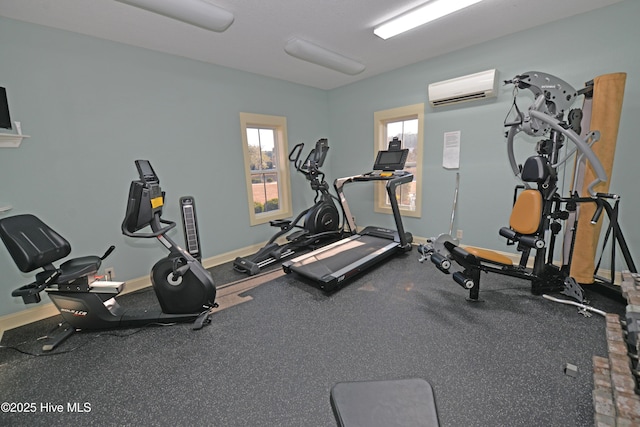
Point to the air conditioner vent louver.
(470, 97)
(466, 88)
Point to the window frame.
(381, 142)
(281, 146)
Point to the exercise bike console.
(144, 207)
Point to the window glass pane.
(267, 146)
(394, 129)
(264, 175)
(272, 199)
(253, 140)
(407, 132)
(266, 166)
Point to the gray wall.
(92, 107)
(575, 50)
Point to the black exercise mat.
(272, 359)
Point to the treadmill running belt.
(339, 256)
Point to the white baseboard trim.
(43, 311)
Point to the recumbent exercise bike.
(321, 221)
(184, 288)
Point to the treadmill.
(329, 266)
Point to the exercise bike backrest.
(144, 205)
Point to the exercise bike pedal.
(203, 319)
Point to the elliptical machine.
(184, 288)
(321, 221)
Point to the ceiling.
(255, 41)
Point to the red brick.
(617, 347)
(602, 381)
(624, 422)
(603, 403)
(620, 364)
(600, 362)
(614, 335)
(622, 384)
(628, 407)
(634, 298)
(601, 420)
(612, 318)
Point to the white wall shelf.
(10, 140)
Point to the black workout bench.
(394, 403)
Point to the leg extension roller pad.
(407, 403)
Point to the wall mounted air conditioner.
(466, 88)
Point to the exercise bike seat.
(32, 244)
(78, 267)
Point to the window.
(264, 144)
(406, 123)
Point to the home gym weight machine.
(184, 288)
(321, 222)
(538, 213)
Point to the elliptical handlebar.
(314, 160)
(294, 155)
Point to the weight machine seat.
(527, 212)
(407, 403)
(489, 255)
(32, 244)
(525, 219)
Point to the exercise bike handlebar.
(157, 229)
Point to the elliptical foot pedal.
(280, 223)
(297, 235)
(244, 265)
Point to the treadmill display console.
(391, 160)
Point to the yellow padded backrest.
(527, 212)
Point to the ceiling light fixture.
(310, 52)
(195, 12)
(421, 15)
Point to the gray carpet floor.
(272, 360)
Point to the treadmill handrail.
(391, 185)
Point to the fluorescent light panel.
(318, 55)
(195, 12)
(426, 13)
